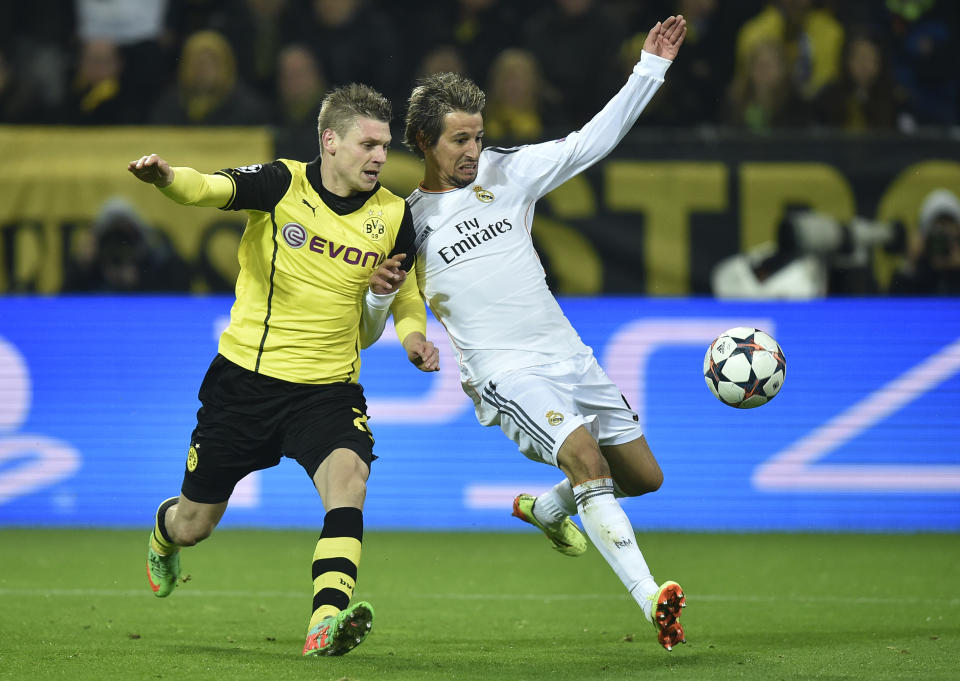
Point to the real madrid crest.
(554, 418)
(482, 194)
(374, 226)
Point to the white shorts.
(540, 406)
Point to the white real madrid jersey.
(476, 264)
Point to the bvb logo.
(192, 459)
(483, 194)
(374, 228)
(554, 418)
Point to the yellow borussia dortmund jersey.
(306, 257)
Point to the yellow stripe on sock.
(335, 547)
(161, 545)
(334, 580)
(320, 613)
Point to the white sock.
(558, 503)
(610, 531)
(555, 504)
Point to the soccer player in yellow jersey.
(320, 238)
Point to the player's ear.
(328, 141)
(422, 141)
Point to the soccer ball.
(744, 367)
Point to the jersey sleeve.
(257, 187)
(409, 312)
(405, 239)
(406, 305)
(193, 188)
(373, 316)
(543, 167)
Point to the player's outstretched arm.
(184, 185)
(153, 170)
(665, 39)
(546, 166)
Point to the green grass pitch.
(74, 604)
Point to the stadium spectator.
(258, 31)
(138, 29)
(20, 100)
(96, 95)
(515, 108)
(812, 41)
(919, 38)
(762, 96)
(35, 39)
(928, 33)
(355, 42)
(441, 59)
(705, 71)
(208, 91)
(933, 268)
(915, 36)
(585, 72)
(520, 359)
(478, 29)
(865, 96)
(301, 87)
(285, 381)
(123, 254)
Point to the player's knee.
(651, 481)
(345, 490)
(643, 482)
(190, 534)
(582, 461)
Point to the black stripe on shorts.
(523, 420)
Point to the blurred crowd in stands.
(548, 65)
(754, 66)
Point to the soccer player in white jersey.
(520, 359)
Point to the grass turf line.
(450, 606)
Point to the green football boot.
(162, 571)
(568, 539)
(339, 634)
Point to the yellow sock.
(159, 540)
(335, 562)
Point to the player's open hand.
(152, 169)
(665, 38)
(389, 276)
(421, 352)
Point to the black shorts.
(249, 421)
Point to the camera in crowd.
(844, 245)
(815, 255)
